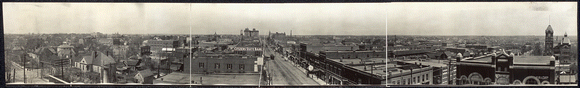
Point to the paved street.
(285, 73)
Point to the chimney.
(511, 60)
(552, 63)
(95, 54)
(365, 66)
(493, 60)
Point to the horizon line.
(186, 34)
(477, 35)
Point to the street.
(285, 73)
(32, 75)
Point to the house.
(144, 76)
(120, 51)
(96, 62)
(46, 54)
(65, 50)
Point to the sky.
(481, 18)
(196, 18)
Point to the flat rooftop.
(399, 68)
(533, 59)
(410, 52)
(212, 79)
(486, 59)
(543, 60)
(428, 63)
(378, 65)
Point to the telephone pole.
(24, 66)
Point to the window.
(426, 76)
(229, 66)
(241, 66)
(423, 79)
(217, 65)
(414, 80)
(201, 65)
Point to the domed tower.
(549, 44)
(565, 40)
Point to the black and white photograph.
(482, 44)
(215, 44)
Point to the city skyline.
(183, 18)
(482, 18)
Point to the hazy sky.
(481, 18)
(178, 18)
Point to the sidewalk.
(313, 77)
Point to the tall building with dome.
(549, 44)
(563, 51)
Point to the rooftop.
(410, 52)
(428, 63)
(398, 68)
(532, 59)
(482, 59)
(378, 65)
(233, 79)
(517, 59)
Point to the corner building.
(505, 69)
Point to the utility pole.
(24, 68)
(14, 75)
(372, 66)
(62, 68)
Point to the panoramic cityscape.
(195, 44)
(469, 44)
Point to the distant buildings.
(120, 51)
(278, 38)
(105, 41)
(251, 33)
(316, 48)
(354, 54)
(158, 45)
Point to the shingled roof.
(103, 59)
